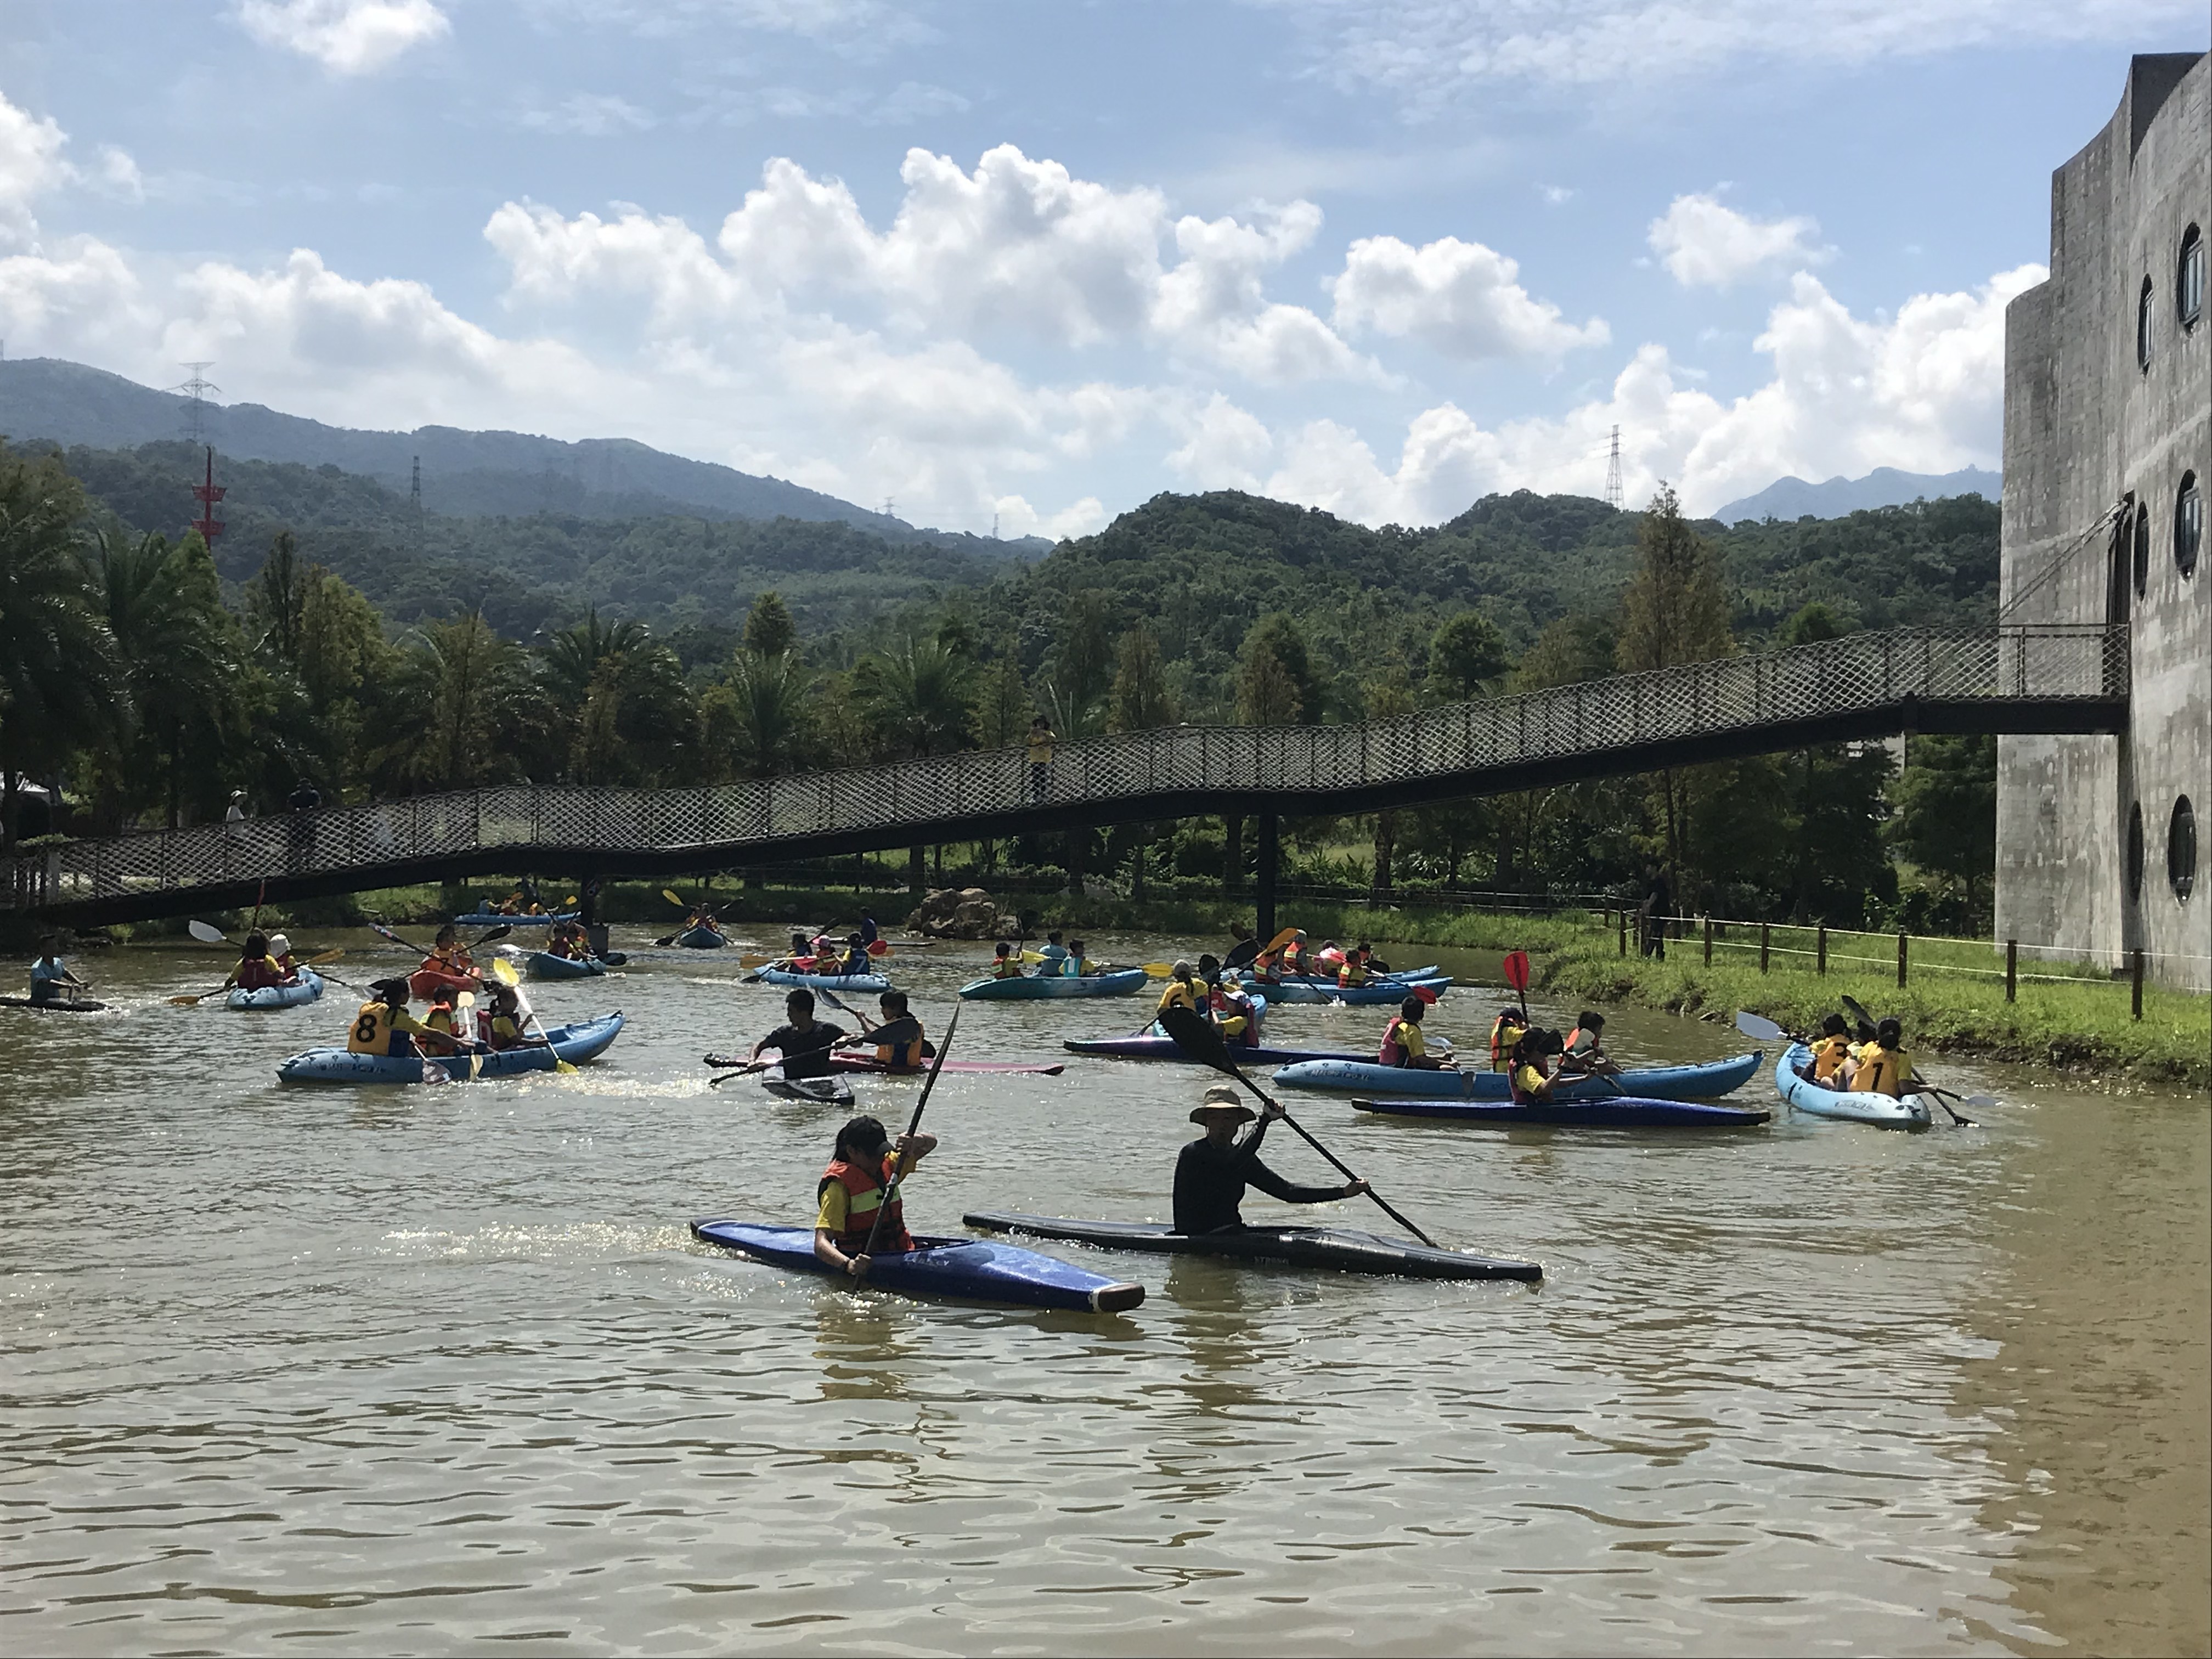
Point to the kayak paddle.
(1516, 975)
(1197, 1040)
(913, 1125)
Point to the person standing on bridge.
(1041, 740)
(305, 802)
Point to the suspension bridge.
(2043, 679)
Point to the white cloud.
(346, 37)
(1016, 518)
(1430, 50)
(1457, 298)
(30, 165)
(1703, 242)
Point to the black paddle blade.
(1195, 1038)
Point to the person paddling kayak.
(257, 967)
(1212, 1172)
(867, 1173)
(384, 1027)
(1182, 991)
(1402, 1042)
(804, 1041)
(50, 981)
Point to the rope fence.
(1709, 933)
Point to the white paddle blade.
(1753, 1026)
(204, 932)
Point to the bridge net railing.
(2044, 664)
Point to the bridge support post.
(1270, 852)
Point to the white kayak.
(1802, 1094)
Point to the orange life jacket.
(866, 1192)
(257, 973)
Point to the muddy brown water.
(354, 1370)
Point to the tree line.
(143, 692)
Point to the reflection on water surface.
(358, 1371)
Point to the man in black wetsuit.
(804, 1041)
(1213, 1173)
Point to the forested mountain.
(465, 474)
(1886, 486)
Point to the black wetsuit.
(805, 1053)
(1210, 1182)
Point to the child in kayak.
(1403, 1042)
(1831, 1053)
(384, 1027)
(1529, 1078)
(505, 1023)
(1003, 963)
(1583, 1052)
(1212, 1172)
(1235, 1015)
(865, 1174)
(257, 968)
(1182, 991)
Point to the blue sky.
(1042, 261)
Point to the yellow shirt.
(1828, 1056)
(1040, 750)
(1181, 994)
(1527, 1080)
(1882, 1072)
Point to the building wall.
(2088, 431)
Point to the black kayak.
(1343, 1249)
(55, 1005)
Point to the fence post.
(2135, 1000)
(1623, 930)
(2012, 970)
(1820, 949)
(1901, 951)
(1766, 942)
(1709, 941)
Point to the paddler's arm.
(837, 1209)
(912, 1149)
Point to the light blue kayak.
(1127, 983)
(1803, 1095)
(1375, 1080)
(493, 919)
(825, 982)
(586, 1040)
(279, 996)
(702, 938)
(966, 1268)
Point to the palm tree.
(181, 664)
(460, 721)
(60, 689)
(919, 699)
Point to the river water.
(367, 1371)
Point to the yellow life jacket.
(1829, 1054)
(1183, 994)
(373, 1027)
(1882, 1072)
(1005, 968)
(1504, 1031)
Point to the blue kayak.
(1620, 1112)
(965, 1268)
(1796, 1087)
(826, 982)
(309, 987)
(703, 939)
(544, 964)
(1125, 983)
(493, 919)
(1374, 994)
(584, 1040)
(1375, 1080)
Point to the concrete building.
(2107, 454)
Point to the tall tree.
(760, 713)
(1082, 664)
(463, 694)
(769, 631)
(277, 603)
(60, 684)
(1675, 612)
(1141, 700)
(1946, 810)
(1466, 655)
(1278, 635)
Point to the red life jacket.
(865, 1191)
(255, 973)
(1393, 1052)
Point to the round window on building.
(2135, 852)
(2181, 849)
(2188, 524)
(2189, 278)
(2142, 326)
(2142, 550)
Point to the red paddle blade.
(1516, 970)
(1426, 995)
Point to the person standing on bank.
(1212, 1172)
(1041, 740)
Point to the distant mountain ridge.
(1790, 499)
(465, 474)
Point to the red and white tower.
(207, 494)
